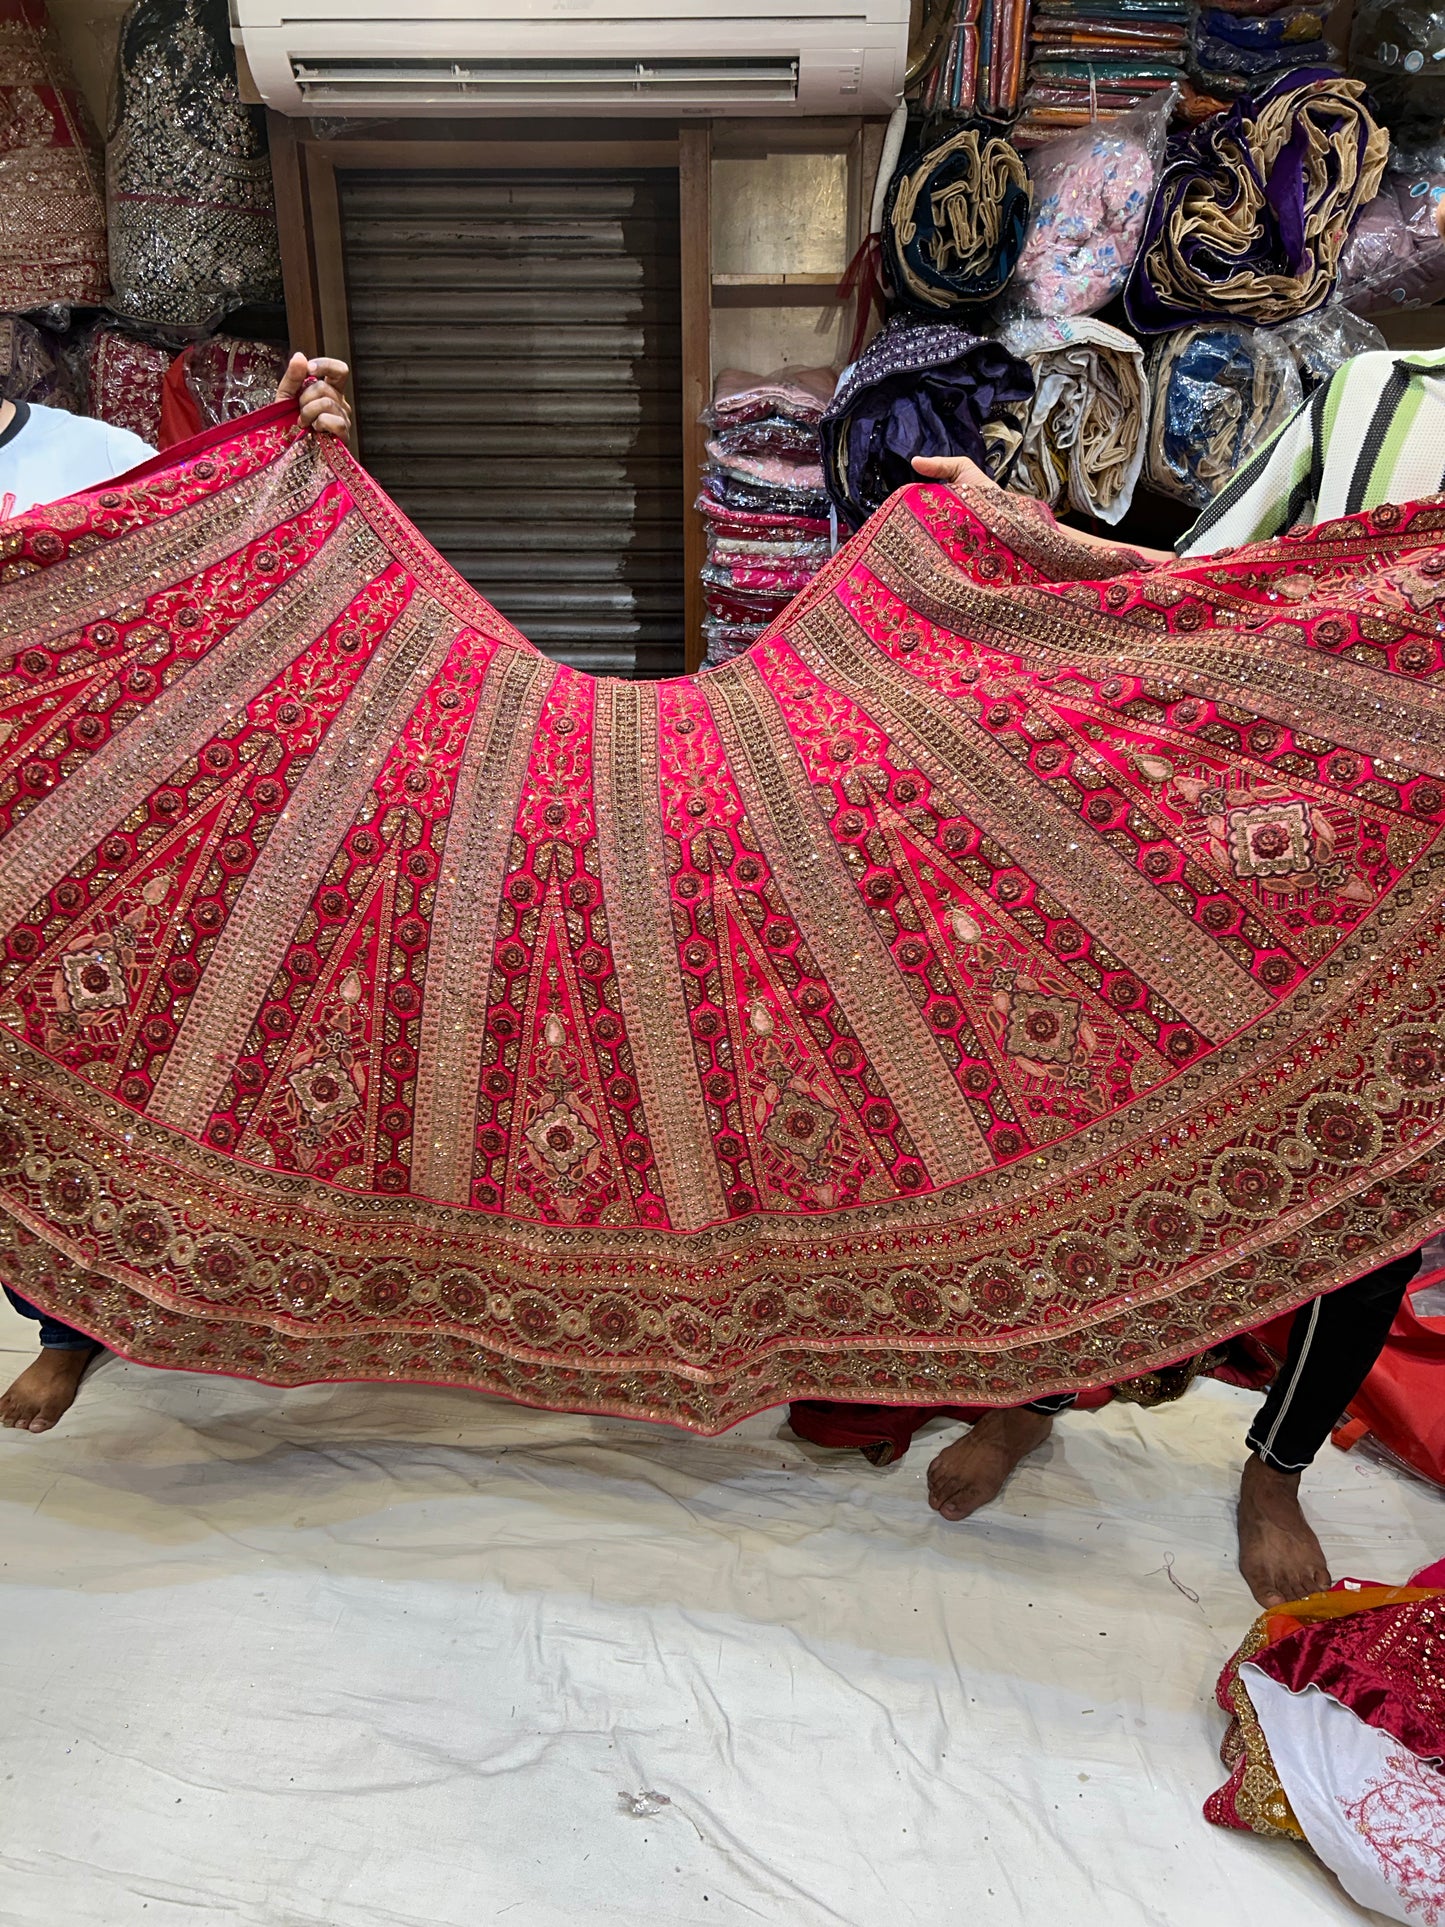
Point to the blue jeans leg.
(54, 1337)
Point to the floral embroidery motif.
(1045, 1029)
(560, 1137)
(1401, 1815)
(801, 1128)
(325, 1090)
(94, 980)
(1271, 840)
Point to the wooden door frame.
(308, 215)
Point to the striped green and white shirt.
(1374, 433)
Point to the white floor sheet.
(363, 1657)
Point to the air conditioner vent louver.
(684, 80)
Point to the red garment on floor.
(1373, 1649)
(1401, 1405)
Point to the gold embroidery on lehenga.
(1148, 1219)
(637, 892)
(857, 967)
(59, 829)
(1274, 672)
(454, 1006)
(340, 773)
(90, 583)
(1124, 910)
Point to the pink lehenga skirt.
(996, 982)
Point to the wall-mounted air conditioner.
(561, 57)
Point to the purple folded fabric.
(918, 388)
(1254, 207)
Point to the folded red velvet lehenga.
(996, 982)
(1336, 1737)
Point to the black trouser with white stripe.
(1332, 1347)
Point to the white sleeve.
(125, 450)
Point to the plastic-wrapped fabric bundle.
(1395, 259)
(1095, 59)
(768, 524)
(1252, 213)
(1092, 192)
(954, 222)
(1216, 393)
(918, 388)
(192, 219)
(800, 394)
(1234, 52)
(726, 487)
(1397, 47)
(229, 377)
(794, 470)
(52, 202)
(981, 65)
(216, 381)
(1322, 342)
(1083, 445)
(125, 381)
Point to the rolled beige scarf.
(1084, 440)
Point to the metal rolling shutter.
(517, 347)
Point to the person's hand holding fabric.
(960, 473)
(321, 385)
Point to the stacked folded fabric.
(1083, 443)
(1092, 59)
(763, 500)
(981, 66)
(1252, 213)
(1236, 52)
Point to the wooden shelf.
(1413, 327)
(778, 280)
(775, 290)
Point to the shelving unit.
(788, 210)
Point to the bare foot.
(969, 1473)
(45, 1391)
(1279, 1556)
